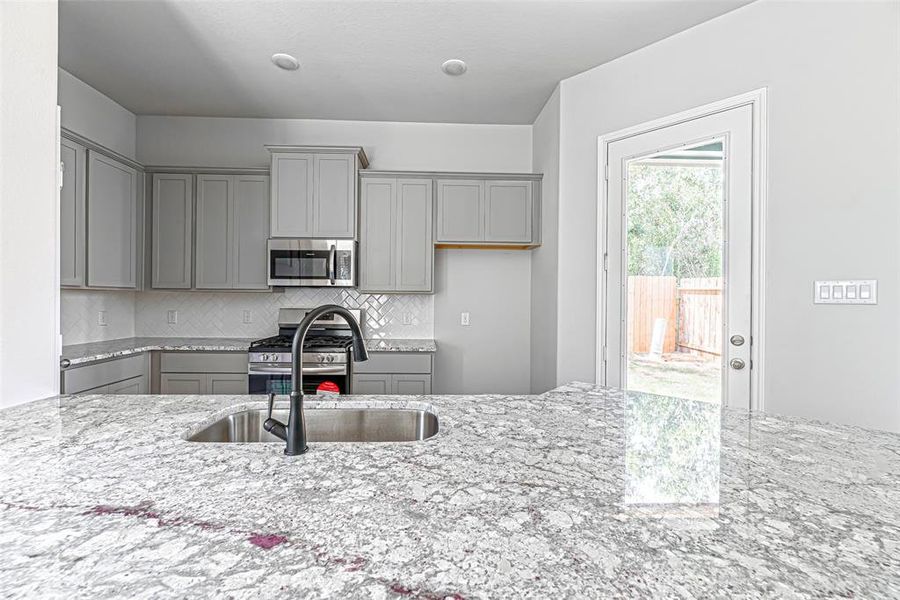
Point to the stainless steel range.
(326, 360)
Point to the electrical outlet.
(172, 317)
(248, 316)
(101, 318)
(464, 319)
(407, 318)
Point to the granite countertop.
(401, 345)
(581, 492)
(79, 354)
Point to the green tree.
(674, 219)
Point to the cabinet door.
(415, 240)
(71, 213)
(377, 248)
(460, 206)
(182, 383)
(251, 230)
(173, 225)
(292, 194)
(215, 222)
(136, 385)
(508, 210)
(335, 196)
(112, 223)
(371, 384)
(410, 385)
(227, 383)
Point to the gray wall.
(94, 115)
(544, 280)
(491, 354)
(29, 293)
(834, 182)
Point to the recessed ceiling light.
(286, 62)
(454, 67)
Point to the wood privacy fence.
(691, 308)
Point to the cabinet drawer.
(92, 376)
(395, 362)
(203, 362)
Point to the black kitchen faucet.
(294, 433)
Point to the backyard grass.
(679, 375)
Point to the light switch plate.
(846, 291)
(248, 316)
(101, 318)
(464, 319)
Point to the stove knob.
(330, 358)
(266, 357)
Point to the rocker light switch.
(859, 291)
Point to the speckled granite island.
(581, 492)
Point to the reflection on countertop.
(580, 492)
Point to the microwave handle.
(332, 264)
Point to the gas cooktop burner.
(310, 343)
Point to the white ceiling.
(362, 60)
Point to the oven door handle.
(332, 264)
(335, 370)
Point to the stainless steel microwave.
(312, 263)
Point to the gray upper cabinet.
(71, 213)
(292, 194)
(460, 207)
(396, 245)
(232, 227)
(378, 246)
(507, 211)
(488, 212)
(215, 231)
(251, 229)
(313, 191)
(415, 242)
(172, 230)
(334, 208)
(111, 223)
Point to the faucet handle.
(271, 405)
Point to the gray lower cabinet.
(126, 375)
(172, 230)
(182, 383)
(72, 213)
(203, 383)
(396, 240)
(313, 191)
(135, 385)
(193, 373)
(111, 222)
(397, 373)
(232, 226)
(372, 384)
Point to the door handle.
(737, 364)
(332, 263)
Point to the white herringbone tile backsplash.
(221, 314)
(79, 312)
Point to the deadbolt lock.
(737, 340)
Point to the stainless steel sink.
(327, 425)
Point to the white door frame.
(759, 182)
